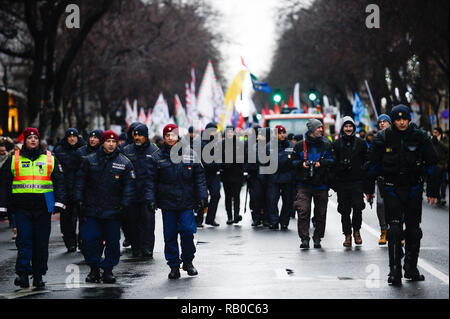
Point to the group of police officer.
(107, 186)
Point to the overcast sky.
(250, 26)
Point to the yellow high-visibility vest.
(32, 177)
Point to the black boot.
(395, 266)
(237, 218)
(38, 282)
(305, 243)
(174, 273)
(189, 267)
(22, 280)
(410, 266)
(94, 275)
(108, 277)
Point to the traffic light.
(312, 95)
(277, 96)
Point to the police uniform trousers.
(94, 231)
(274, 191)
(380, 208)
(142, 228)
(258, 198)
(350, 205)
(213, 184)
(33, 233)
(183, 223)
(68, 223)
(232, 198)
(403, 205)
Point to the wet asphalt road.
(241, 262)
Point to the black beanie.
(141, 129)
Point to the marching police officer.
(105, 185)
(280, 183)
(232, 173)
(403, 155)
(181, 186)
(212, 176)
(384, 121)
(257, 182)
(312, 160)
(93, 143)
(350, 153)
(32, 185)
(66, 152)
(141, 215)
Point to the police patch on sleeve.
(60, 168)
(133, 176)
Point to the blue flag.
(358, 109)
(260, 86)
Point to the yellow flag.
(233, 92)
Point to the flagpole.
(371, 99)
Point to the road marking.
(421, 263)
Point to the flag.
(160, 114)
(235, 118)
(206, 93)
(180, 114)
(276, 109)
(148, 120)
(232, 93)
(260, 86)
(241, 121)
(251, 110)
(358, 109)
(135, 109)
(130, 115)
(291, 102)
(142, 116)
(297, 95)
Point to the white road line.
(421, 263)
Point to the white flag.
(297, 95)
(142, 116)
(180, 114)
(160, 115)
(130, 115)
(205, 99)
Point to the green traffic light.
(312, 96)
(277, 98)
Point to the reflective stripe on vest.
(29, 177)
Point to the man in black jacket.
(232, 173)
(280, 183)
(93, 143)
(32, 185)
(350, 153)
(105, 186)
(141, 215)
(405, 157)
(181, 187)
(67, 155)
(212, 169)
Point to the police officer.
(280, 183)
(257, 182)
(67, 155)
(312, 160)
(141, 215)
(32, 185)
(212, 169)
(105, 185)
(350, 154)
(129, 140)
(93, 143)
(383, 122)
(232, 173)
(181, 186)
(403, 154)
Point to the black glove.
(152, 206)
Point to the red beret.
(280, 128)
(31, 131)
(169, 128)
(109, 134)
